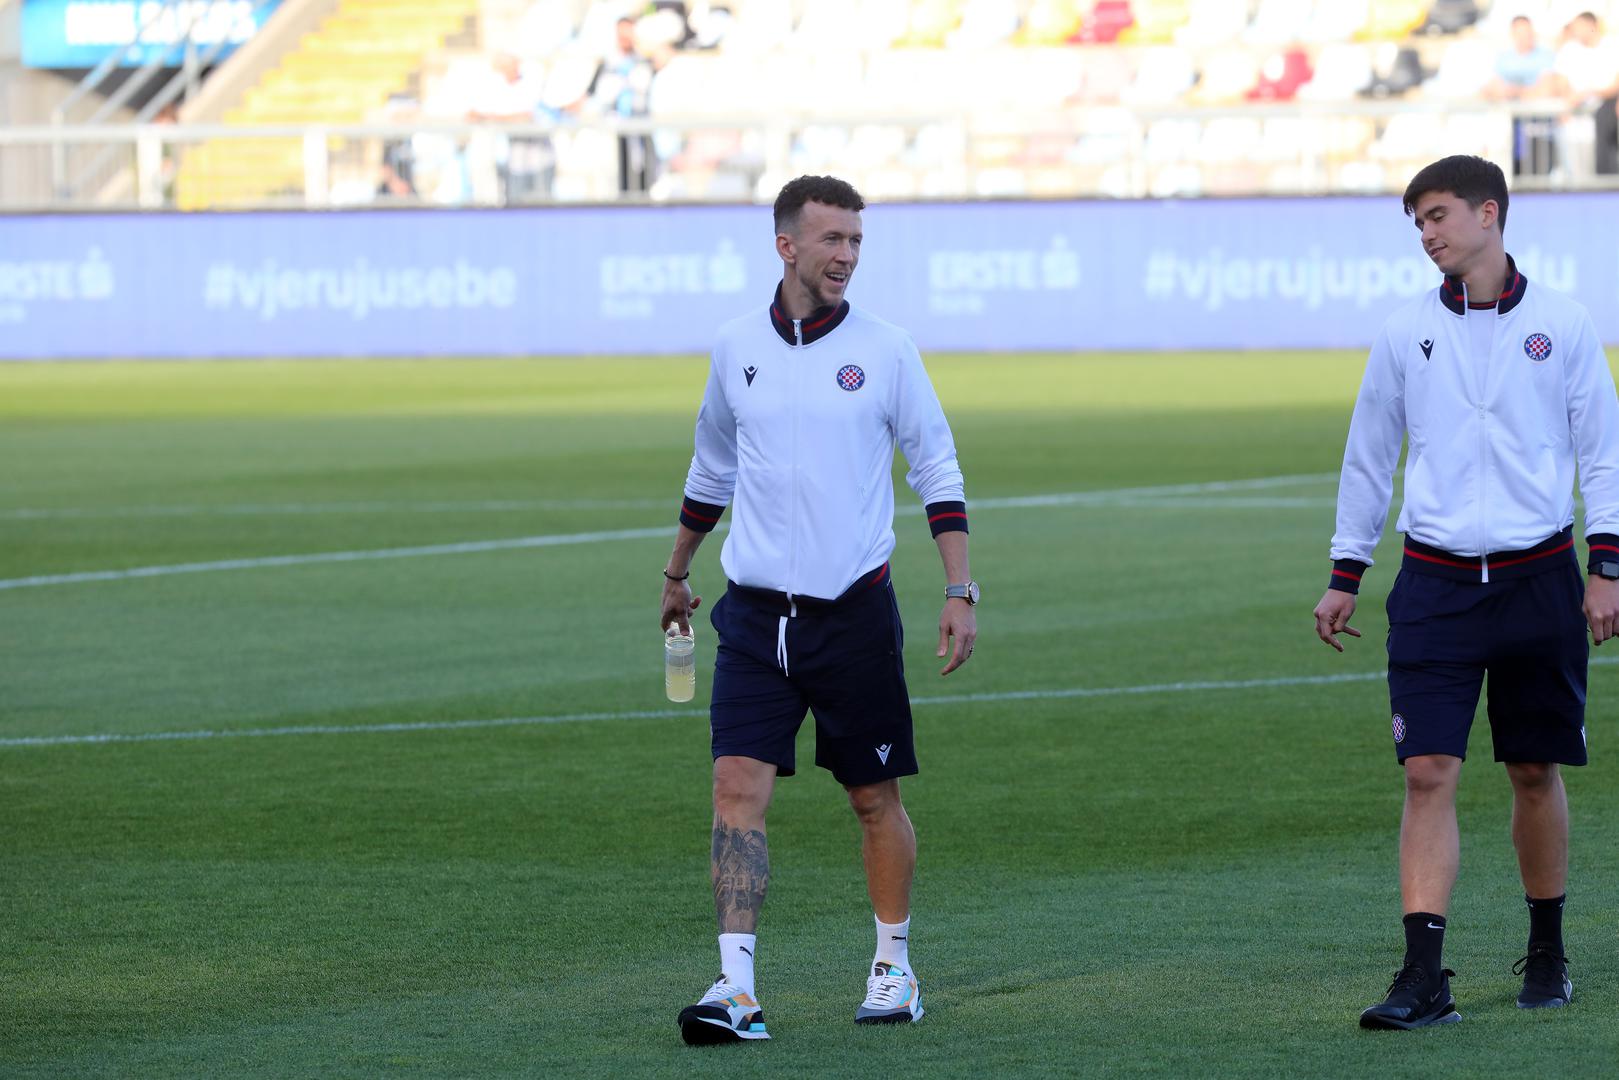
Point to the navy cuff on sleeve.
(700, 516)
(1346, 575)
(946, 517)
(1604, 548)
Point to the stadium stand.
(725, 98)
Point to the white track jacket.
(1494, 437)
(798, 425)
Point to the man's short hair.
(1469, 178)
(827, 190)
(1516, 19)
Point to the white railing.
(1368, 147)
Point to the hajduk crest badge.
(1537, 347)
(1399, 728)
(851, 378)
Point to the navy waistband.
(1423, 558)
(781, 604)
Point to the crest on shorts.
(1537, 347)
(1399, 728)
(850, 377)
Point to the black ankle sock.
(1425, 941)
(1546, 922)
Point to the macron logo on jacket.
(797, 429)
(1494, 436)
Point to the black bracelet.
(682, 577)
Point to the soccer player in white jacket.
(1500, 388)
(805, 402)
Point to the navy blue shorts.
(841, 659)
(1528, 634)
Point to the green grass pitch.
(1119, 876)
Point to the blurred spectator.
(1521, 69)
(513, 93)
(709, 27)
(622, 87)
(1586, 74)
(396, 175)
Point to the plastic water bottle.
(679, 665)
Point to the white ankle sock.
(893, 940)
(736, 960)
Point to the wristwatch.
(1609, 570)
(969, 591)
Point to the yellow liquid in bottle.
(679, 669)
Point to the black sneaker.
(1545, 979)
(726, 1013)
(1414, 1000)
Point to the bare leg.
(888, 848)
(1430, 848)
(1540, 827)
(740, 855)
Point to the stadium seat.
(1051, 22)
(1106, 22)
(1213, 24)
(1464, 69)
(1105, 73)
(1282, 75)
(1396, 70)
(1279, 22)
(1393, 20)
(1227, 76)
(1165, 74)
(1450, 17)
(1341, 71)
(984, 23)
(1156, 22)
(1335, 20)
(1028, 79)
(760, 26)
(930, 23)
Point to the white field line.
(658, 714)
(1198, 686)
(467, 548)
(1078, 498)
(475, 506)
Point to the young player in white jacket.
(1500, 388)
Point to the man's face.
(1454, 234)
(822, 251)
(1586, 31)
(1523, 35)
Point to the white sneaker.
(892, 997)
(725, 1014)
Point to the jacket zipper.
(792, 465)
(1484, 451)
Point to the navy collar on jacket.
(821, 322)
(1453, 294)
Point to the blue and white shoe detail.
(892, 997)
(727, 1013)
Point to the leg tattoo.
(741, 868)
